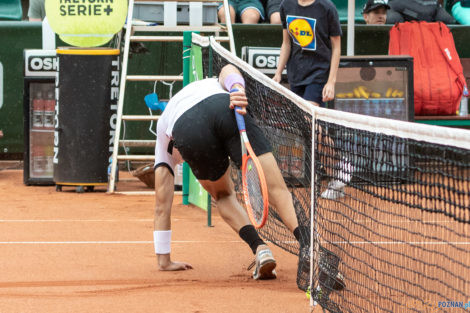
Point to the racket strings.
(254, 190)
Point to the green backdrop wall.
(164, 58)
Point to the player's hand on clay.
(166, 264)
(175, 266)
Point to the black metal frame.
(27, 179)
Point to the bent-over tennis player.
(198, 126)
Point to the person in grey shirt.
(36, 11)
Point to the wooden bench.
(445, 120)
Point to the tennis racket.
(255, 190)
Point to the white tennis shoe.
(334, 190)
(264, 265)
(336, 186)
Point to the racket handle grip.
(240, 119)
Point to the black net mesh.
(392, 214)
(396, 213)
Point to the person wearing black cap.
(375, 11)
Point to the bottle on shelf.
(37, 115)
(49, 107)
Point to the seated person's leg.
(250, 16)
(272, 11)
(221, 14)
(461, 12)
(275, 18)
(250, 11)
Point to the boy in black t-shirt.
(311, 48)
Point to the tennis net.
(389, 207)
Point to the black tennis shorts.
(207, 135)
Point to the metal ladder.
(170, 25)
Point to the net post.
(313, 224)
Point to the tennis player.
(199, 127)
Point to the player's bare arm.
(284, 55)
(329, 89)
(164, 190)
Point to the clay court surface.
(93, 252)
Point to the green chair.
(342, 7)
(11, 10)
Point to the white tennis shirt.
(184, 100)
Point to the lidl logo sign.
(302, 30)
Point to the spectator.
(311, 48)
(246, 11)
(417, 10)
(36, 11)
(272, 7)
(461, 11)
(375, 11)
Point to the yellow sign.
(86, 23)
(302, 31)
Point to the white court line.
(229, 241)
(392, 221)
(401, 242)
(109, 242)
(151, 220)
(76, 220)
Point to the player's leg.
(223, 192)
(281, 198)
(279, 195)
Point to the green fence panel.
(197, 194)
(16, 37)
